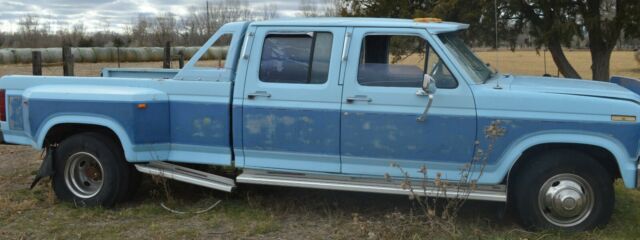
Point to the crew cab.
(355, 104)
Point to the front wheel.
(91, 171)
(565, 190)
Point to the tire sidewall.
(107, 194)
(550, 165)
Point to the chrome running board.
(188, 175)
(495, 193)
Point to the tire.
(91, 171)
(585, 186)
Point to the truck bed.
(154, 73)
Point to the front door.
(291, 105)
(381, 107)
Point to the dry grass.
(623, 63)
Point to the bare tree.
(269, 11)
(308, 8)
(333, 8)
(164, 28)
(192, 30)
(28, 29)
(139, 30)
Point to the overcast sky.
(117, 13)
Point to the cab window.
(301, 58)
(400, 61)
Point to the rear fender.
(120, 132)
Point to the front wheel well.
(62, 131)
(600, 154)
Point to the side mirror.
(428, 84)
(428, 89)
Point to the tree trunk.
(600, 58)
(561, 61)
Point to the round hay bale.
(7, 57)
(155, 53)
(134, 55)
(23, 55)
(87, 55)
(52, 55)
(190, 51)
(216, 53)
(114, 54)
(77, 57)
(103, 54)
(175, 51)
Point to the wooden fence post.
(167, 55)
(181, 59)
(67, 61)
(36, 61)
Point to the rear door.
(291, 105)
(381, 104)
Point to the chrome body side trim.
(187, 175)
(485, 193)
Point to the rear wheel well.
(62, 131)
(600, 154)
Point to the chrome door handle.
(258, 94)
(361, 98)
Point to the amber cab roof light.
(428, 20)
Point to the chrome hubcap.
(83, 174)
(566, 200)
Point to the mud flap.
(46, 169)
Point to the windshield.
(471, 64)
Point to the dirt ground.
(259, 212)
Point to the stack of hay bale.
(7, 57)
(108, 54)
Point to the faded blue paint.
(551, 110)
(190, 123)
(200, 123)
(518, 129)
(15, 112)
(629, 83)
(400, 137)
(291, 130)
(143, 126)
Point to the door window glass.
(400, 61)
(296, 58)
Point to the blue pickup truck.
(342, 104)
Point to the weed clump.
(437, 199)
